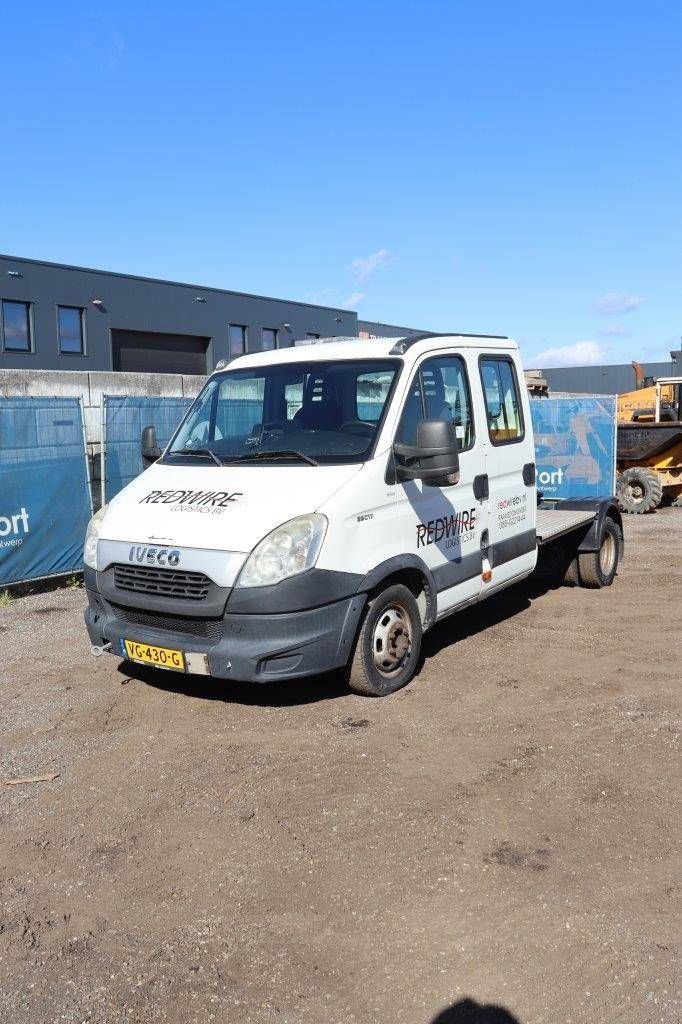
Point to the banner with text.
(45, 501)
(575, 445)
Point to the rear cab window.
(502, 398)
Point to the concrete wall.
(91, 386)
(145, 304)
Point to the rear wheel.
(598, 568)
(639, 490)
(388, 644)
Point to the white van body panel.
(236, 505)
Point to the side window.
(446, 396)
(502, 401)
(240, 407)
(293, 397)
(439, 390)
(371, 391)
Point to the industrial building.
(606, 380)
(56, 317)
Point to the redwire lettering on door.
(447, 526)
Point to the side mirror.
(435, 457)
(148, 446)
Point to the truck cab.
(320, 507)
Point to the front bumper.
(249, 648)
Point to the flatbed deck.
(552, 523)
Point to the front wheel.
(388, 644)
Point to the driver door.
(443, 525)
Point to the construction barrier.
(45, 498)
(123, 420)
(575, 445)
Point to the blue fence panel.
(575, 446)
(124, 420)
(45, 499)
(239, 417)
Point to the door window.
(439, 390)
(371, 392)
(502, 402)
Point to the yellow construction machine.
(649, 453)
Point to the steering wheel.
(359, 427)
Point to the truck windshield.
(309, 413)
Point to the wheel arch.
(414, 573)
(604, 508)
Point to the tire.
(639, 490)
(598, 568)
(572, 574)
(388, 644)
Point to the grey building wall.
(149, 305)
(603, 380)
(375, 329)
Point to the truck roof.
(364, 348)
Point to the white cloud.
(364, 266)
(616, 302)
(582, 353)
(354, 299)
(319, 298)
(614, 331)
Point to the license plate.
(148, 654)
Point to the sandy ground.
(503, 830)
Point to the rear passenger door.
(509, 456)
(443, 525)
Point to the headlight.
(287, 551)
(91, 538)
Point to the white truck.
(321, 507)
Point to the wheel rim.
(607, 554)
(391, 640)
(635, 491)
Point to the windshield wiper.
(288, 453)
(200, 452)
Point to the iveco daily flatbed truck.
(320, 507)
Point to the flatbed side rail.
(579, 515)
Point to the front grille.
(207, 629)
(178, 583)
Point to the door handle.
(529, 474)
(481, 488)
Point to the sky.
(485, 167)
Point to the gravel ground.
(503, 830)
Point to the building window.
(269, 337)
(16, 326)
(311, 337)
(237, 339)
(70, 330)
(502, 401)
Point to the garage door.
(147, 352)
